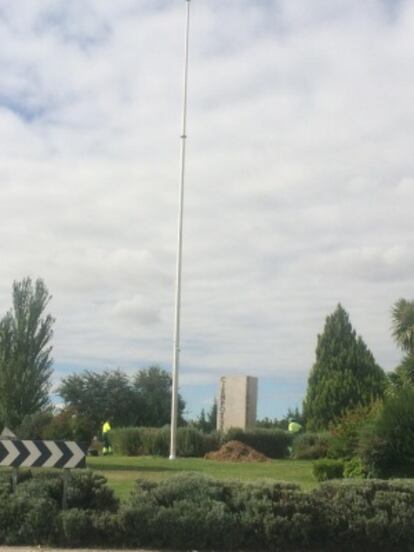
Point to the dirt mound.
(235, 451)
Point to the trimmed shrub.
(193, 511)
(367, 516)
(150, 441)
(25, 520)
(127, 441)
(197, 512)
(325, 469)
(311, 446)
(274, 443)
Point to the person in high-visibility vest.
(294, 427)
(107, 448)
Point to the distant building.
(237, 402)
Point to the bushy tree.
(102, 395)
(345, 374)
(25, 353)
(153, 387)
(144, 399)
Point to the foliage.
(25, 361)
(207, 422)
(68, 424)
(346, 432)
(98, 396)
(403, 325)
(274, 443)
(367, 515)
(325, 469)
(387, 446)
(402, 376)
(283, 423)
(153, 387)
(195, 512)
(355, 469)
(33, 425)
(311, 446)
(344, 375)
(135, 441)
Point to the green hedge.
(274, 443)
(311, 446)
(325, 469)
(150, 441)
(196, 512)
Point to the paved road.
(46, 549)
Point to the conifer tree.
(25, 353)
(345, 374)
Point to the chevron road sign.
(41, 454)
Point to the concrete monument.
(237, 402)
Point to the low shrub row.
(274, 443)
(196, 512)
(151, 441)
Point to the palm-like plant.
(403, 325)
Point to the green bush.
(126, 441)
(193, 511)
(86, 489)
(386, 445)
(355, 469)
(346, 433)
(150, 441)
(70, 425)
(25, 520)
(325, 469)
(311, 446)
(369, 515)
(83, 528)
(196, 512)
(33, 426)
(274, 443)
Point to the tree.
(403, 325)
(207, 422)
(403, 333)
(345, 374)
(101, 395)
(153, 386)
(402, 376)
(25, 353)
(144, 401)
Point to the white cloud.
(300, 176)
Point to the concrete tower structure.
(237, 402)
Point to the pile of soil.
(235, 451)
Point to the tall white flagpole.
(176, 352)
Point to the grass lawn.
(122, 471)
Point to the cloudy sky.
(300, 182)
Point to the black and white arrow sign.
(41, 454)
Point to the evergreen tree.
(403, 333)
(25, 361)
(345, 374)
